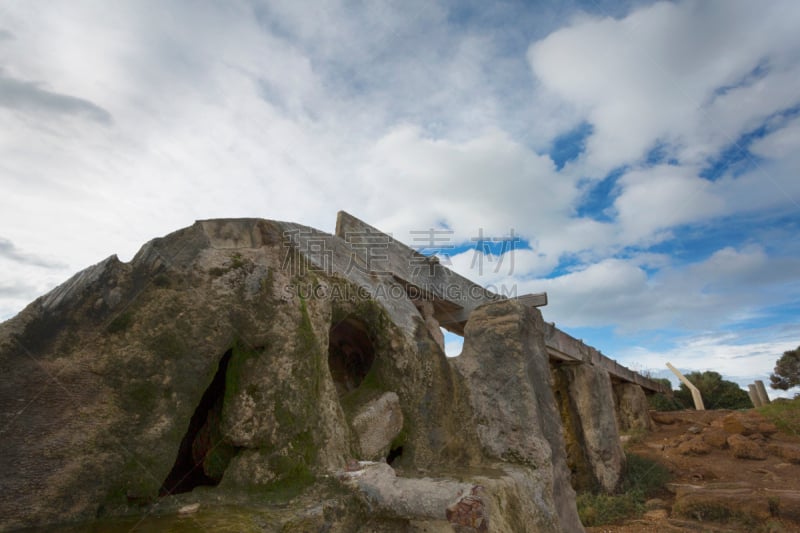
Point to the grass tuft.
(642, 478)
(785, 414)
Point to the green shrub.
(641, 479)
(601, 509)
(664, 402)
(643, 475)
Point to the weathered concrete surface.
(454, 297)
(250, 356)
(595, 453)
(632, 408)
(103, 376)
(505, 365)
(377, 424)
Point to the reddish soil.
(711, 488)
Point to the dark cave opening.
(394, 454)
(202, 456)
(350, 354)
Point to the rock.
(235, 358)
(786, 451)
(505, 365)
(410, 498)
(694, 446)
(661, 417)
(217, 343)
(594, 450)
(747, 423)
(715, 437)
(189, 509)
(744, 448)
(377, 424)
(694, 430)
(656, 503)
(721, 503)
(656, 515)
(632, 408)
(732, 424)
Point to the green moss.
(237, 261)
(240, 354)
(120, 323)
(168, 345)
(139, 396)
(583, 478)
(370, 388)
(162, 281)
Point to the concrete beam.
(698, 399)
(454, 297)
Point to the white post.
(753, 393)
(762, 392)
(698, 399)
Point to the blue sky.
(645, 153)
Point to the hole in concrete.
(453, 343)
(202, 438)
(394, 454)
(350, 354)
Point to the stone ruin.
(273, 367)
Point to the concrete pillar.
(698, 399)
(586, 404)
(632, 408)
(505, 367)
(762, 392)
(753, 393)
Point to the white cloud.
(653, 76)
(727, 287)
(662, 197)
(721, 353)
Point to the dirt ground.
(731, 471)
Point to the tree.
(664, 402)
(787, 371)
(717, 393)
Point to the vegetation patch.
(641, 479)
(785, 414)
(120, 323)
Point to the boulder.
(594, 449)
(694, 446)
(744, 448)
(229, 344)
(504, 364)
(248, 360)
(722, 502)
(632, 408)
(377, 424)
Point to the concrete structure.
(753, 393)
(454, 297)
(762, 392)
(696, 396)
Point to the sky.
(645, 155)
